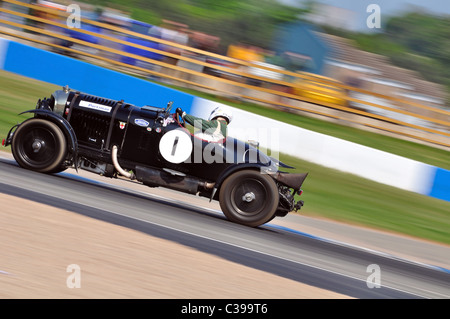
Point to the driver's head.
(221, 112)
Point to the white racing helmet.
(221, 111)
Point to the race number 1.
(175, 146)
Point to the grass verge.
(354, 200)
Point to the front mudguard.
(10, 135)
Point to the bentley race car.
(153, 146)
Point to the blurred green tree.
(246, 21)
(415, 40)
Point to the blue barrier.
(61, 70)
(441, 185)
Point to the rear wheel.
(39, 145)
(248, 197)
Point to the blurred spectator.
(173, 32)
(144, 29)
(117, 19)
(203, 41)
(244, 52)
(54, 17)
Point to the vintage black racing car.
(153, 146)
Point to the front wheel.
(249, 197)
(39, 145)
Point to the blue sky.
(387, 7)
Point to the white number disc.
(176, 146)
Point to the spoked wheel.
(249, 197)
(39, 145)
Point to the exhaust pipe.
(117, 166)
(155, 178)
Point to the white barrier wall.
(3, 49)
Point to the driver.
(213, 129)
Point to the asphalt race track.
(286, 253)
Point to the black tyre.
(39, 145)
(249, 197)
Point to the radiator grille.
(90, 128)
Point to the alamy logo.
(74, 279)
(178, 146)
(374, 279)
(74, 19)
(374, 19)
